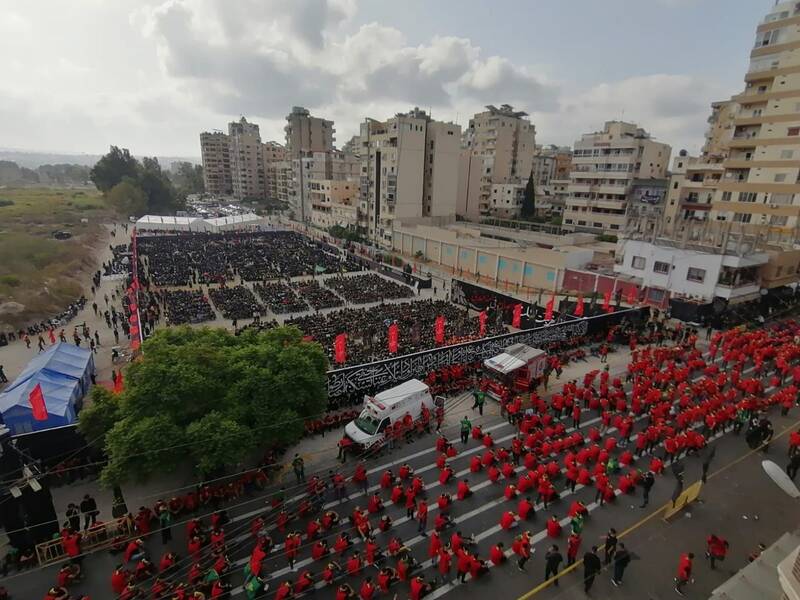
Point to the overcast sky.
(79, 75)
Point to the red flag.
(134, 318)
(438, 330)
(340, 348)
(548, 311)
(135, 344)
(482, 323)
(607, 301)
(39, 408)
(118, 383)
(631, 295)
(579, 307)
(394, 338)
(516, 320)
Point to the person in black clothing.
(3, 378)
(610, 545)
(648, 481)
(552, 559)
(73, 517)
(591, 567)
(621, 560)
(793, 466)
(89, 510)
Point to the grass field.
(38, 272)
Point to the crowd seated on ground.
(186, 306)
(316, 295)
(363, 289)
(254, 256)
(280, 298)
(236, 302)
(367, 328)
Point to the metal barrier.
(97, 536)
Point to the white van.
(385, 409)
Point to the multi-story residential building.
(334, 202)
(280, 172)
(761, 179)
(551, 162)
(497, 148)
(604, 167)
(409, 169)
(318, 166)
(274, 154)
(305, 133)
(247, 163)
(506, 199)
(215, 152)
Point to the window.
(792, 131)
(781, 199)
(778, 221)
(696, 275)
(638, 262)
(787, 153)
(660, 267)
(726, 196)
(780, 177)
(742, 217)
(747, 196)
(675, 186)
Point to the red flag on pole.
(135, 344)
(607, 301)
(516, 320)
(39, 408)
(134, 318)
(631, 295)
(394, 338)
(438, 330)
(579, 307)
(548, 311)
(340, 348)
(482, 323)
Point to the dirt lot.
(39, 274)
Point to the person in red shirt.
(284, 591)
(684, 574)
(463, 490)
(716, 549)
(525, 508)
(497, 554)
(386, 577)
(119, 579)
(443, 564)
(553, 527)
(419, 588)
(573, 546)
(507, 520)
(522, 548)
(353, 565)
(367, 591)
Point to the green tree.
(224, 441)
(112, 167)
(528, 209)
(161, 196)
(99, 416)
(257, 386)
(127, 198)
(187, 179)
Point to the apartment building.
(317, 166)
(247, 162)
(605, 165)
(273, 154)
(505, 200)
(334, 202)
(305, 133)
(216, 157)
(761, 179)
(551, 162)
(409, 169)
(498, 147)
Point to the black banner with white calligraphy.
(386, 373)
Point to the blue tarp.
(64, 373)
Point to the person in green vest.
(165, 523)
(466, 427)
(253, 586)
(480, 398)
(577, 524)
(612, 466)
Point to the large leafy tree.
(187, 178)
(99, 416)
(212, 397)
(113, 167)
(127, 198)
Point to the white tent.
(166, 223)
(248, 221)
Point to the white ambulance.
(387, 407)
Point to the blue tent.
(64, 374)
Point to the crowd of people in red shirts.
(680, 397)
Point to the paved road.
(657, 545)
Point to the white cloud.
(184, 66)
